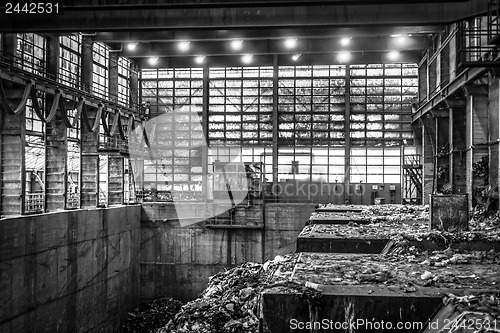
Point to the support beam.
(476, 140)
(458, 148)
(12, 146)
(56, 146)
(90, 141)
(115, 162)
(428, 151)
(112, 16)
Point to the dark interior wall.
(71, 271)
(177, 261)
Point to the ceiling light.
(131, 46)
(296, 57)
(247, 58)
(290, 43)
(236, 44)
(344, 56)
(345, 41)
(393, 55)
(183, 46)
(399, 38)
(199, 59)
(153, 60)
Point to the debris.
(231, 300)
(148, 317)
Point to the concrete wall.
(71, 271)
(177, 261)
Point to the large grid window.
(381, 97)
(100, 77)
(240, 106)
(31, 53)
(124, 81)
(70, 60)
(376, 165)
(175, 100)
(168, 90)
(311, 103)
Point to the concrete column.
(115, 180)
(12, 145)
(115, 162)
(134, 85)
(457, 140)
(476, 136)
(90, 141)
(442, 152)
(428, 151)
(55, 143)
(493, 131)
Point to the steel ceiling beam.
(283, 60)
(113, 16)
(260, 34)
(376, 44)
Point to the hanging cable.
(5, 101)
(116, 123)
(104, 123)
(64, 112)
(86, 120)
(53, 108)
(36, 105)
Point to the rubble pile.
(483, 303)
(376, 213)
(148, 317)
(473, 313)
(441, 269)
(230, 302)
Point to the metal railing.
(34, 202)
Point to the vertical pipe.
(204, 122)
(275, 122)
(347, 129)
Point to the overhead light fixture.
(343, 56)
(393, 55)
(290, 43)
(236, 44)
(344, 41)
(199, 59)
(183, 46)
(399, 38)
(131, 46)
(153, 61)
(247, 58)
(296, 57)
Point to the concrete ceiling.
(210, 26)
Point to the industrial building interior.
(250, 166)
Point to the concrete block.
(85, 257)
(5, 328)
(176, 245)
(246, 245)
(22, 290)
(449, 212)
(209, 247)
(5, 290)
(279, 242)
(12, 238)
(89, 224)
(46, 276)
